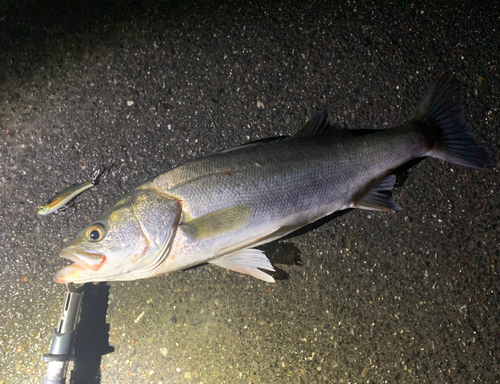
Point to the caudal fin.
(448, 135)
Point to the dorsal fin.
(255, 143)
(319, 125)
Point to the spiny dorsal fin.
(319, 125)
(254, 143)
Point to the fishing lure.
(61, 200)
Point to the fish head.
(124, 242)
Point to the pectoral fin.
(217, 223)
(247, 261)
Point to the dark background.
(411, 297)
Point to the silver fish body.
(286, 185)
(218, 208)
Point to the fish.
(219, 208)
(61, 200)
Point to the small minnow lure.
(60, 200)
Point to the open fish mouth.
(83, 263)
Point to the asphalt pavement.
(367, 297)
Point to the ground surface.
(411, 297)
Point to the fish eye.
(95, 232)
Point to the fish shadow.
(279, 252)
(92, 335)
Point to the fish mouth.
(84, 263)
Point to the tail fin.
(448, 135)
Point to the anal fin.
(376, 201)
(247, 261)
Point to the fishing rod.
(61, 347)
